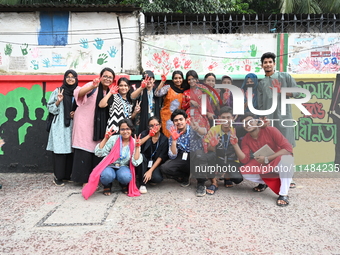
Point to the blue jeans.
(109, 174)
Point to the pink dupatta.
(94, 178)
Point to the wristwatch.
(266, 160)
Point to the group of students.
(106, 131)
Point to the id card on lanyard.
(225, 147)
(150, 163)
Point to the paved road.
(39, 218)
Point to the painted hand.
(95, 82)
(145, 82)
(153, 131)
(174, 134)
(233, 137)
(109, 133)
(138, 140)
(114, 89)
(214, 140)
(276, 84)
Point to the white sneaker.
(142, 189)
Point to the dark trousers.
(62, 166)
(156, 176)
(233, 172)
(83, 164)
(177, 167)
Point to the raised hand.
(265, 122)
(138, 141)
(137, 107)
(233, 137)
(95, 82)
(60, 95)
(153, 131)
(174, 134)
(114, 89)
(214, 140)
(145, 82)
(163, 77)
(276, 84)
(109, 133)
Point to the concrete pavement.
(39, 218)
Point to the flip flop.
(228, 183)
(107, 192)
(260, 188)
(213, 188)
(282, 198)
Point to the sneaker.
(142, 189)
(185, 183)
(201, 191)
(58, 182)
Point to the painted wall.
(23, 111)
(86, 42)
(221, 54)
(314, 53)
(92, 42)
(317, 136)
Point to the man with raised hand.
(182, 141)
(225, 160)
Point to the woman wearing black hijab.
(61, 106)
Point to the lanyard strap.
(150, 97)
(226, 147)
(121, 150)
(153, 153)
(184, 144)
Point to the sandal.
(260, 188)
(107, 192)
(228, 183)
(282, 198)
(125, 189)
(212, 188)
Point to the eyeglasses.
(125, 129)
(107, 77)
(154, 125)
(72, 78)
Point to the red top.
(270, 136)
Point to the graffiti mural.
(317, 135)
(23, 141)
(222, 54)
(309, 53)
(60, 42)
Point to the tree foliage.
(211, 6)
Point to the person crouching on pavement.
(154, 148)
(122, 154)
(276, 170)
(182, 141)
(219, 145)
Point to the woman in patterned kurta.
(192, 102)
(172, 99)
(60, 136)
(119, 103)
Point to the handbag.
(49, 121)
